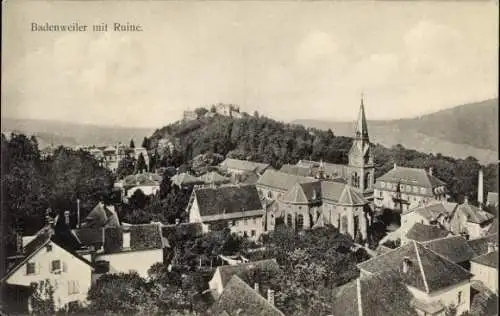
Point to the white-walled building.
(44, 260)
(470, 220)
(434, 282)
(402, 187)
(237, 207)
(485, 269)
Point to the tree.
(141, 164)
(145, 143)
(42, 300)
(132, 145)
(138, 200)
(126, 167)
(123, 294)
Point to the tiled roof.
(244, 165)
(332, 190)
(90, 236)
(480, 245)
(494, 227)
(145, 236)
(454, 248)
(297, 170)
(411, 176)
(143, 179)
(227, 200)
(433, 210)
(383, 294)
(474, 214)
(351, 196)
(246, 270)
(489, 259)
(214, 177)
(185, 179)
(428, 271)
(280, 180)
(484, 302)
(421, 232)
(303, 193)
(238, 298)
(101, 216)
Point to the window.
(300, 221)
(73, 287)
(415, 189)
(55, 266)
(30, 268)
(289, 220)
(459, 298)
(252, 233)
(245, 234)
(380, 193)
(48, 247)
(270, 194)
(233, 223)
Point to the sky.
(285, 59)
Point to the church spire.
(361, 125)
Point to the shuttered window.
(56, 266)
(30, 268)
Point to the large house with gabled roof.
(402, 188)
(435, 282)
(44, 261)
(237, 207)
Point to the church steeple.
(361, 125)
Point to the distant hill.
(462, 131)
(72, 134)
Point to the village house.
(236, 207)
(434, 213)
(239, 298)
(45, 261)
(378, 294)
(434, 282)
(470, 220)
(421, 233)
(147, 182)
(485, 267)
(237, 166)
(185, 180)
(249, 272)
(402, 187)
(454, 248)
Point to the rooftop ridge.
(421, 267)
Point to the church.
(313, 194)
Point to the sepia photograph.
(249, 158)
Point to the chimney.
(430, 171)
(395, 165)
(66, 217)
(77, 213)
(466, 200)
(177, 221)
(256, 287)
(19, 242)
(406, 264)
(480, 193)
(270, 296)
